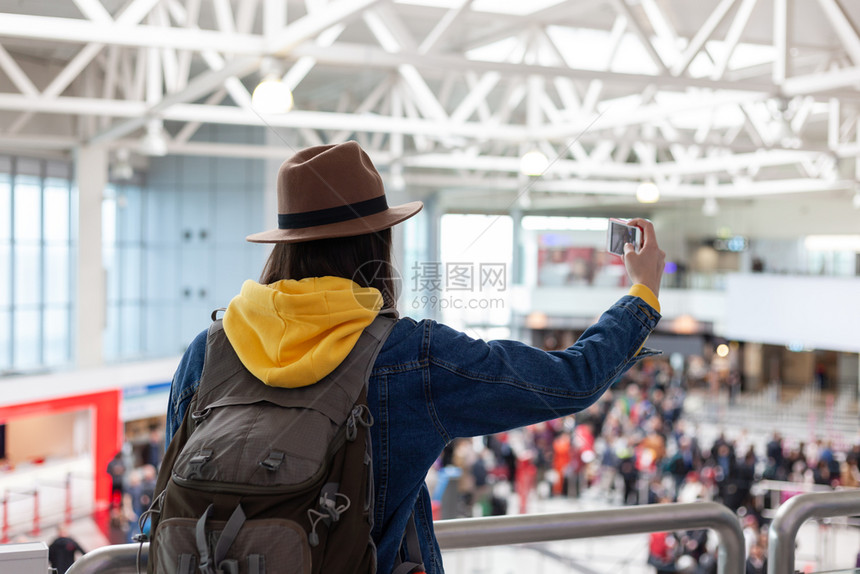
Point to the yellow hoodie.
(294, 333)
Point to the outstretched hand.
(646, 266)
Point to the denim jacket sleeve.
(184, 384)
(434, 384)
(480, 388)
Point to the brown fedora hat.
(331, 191)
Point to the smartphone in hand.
(620, 233)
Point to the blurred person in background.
(63, 551)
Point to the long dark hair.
(365, 259)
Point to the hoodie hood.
(294, 333)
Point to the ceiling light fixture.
(710, 208)
(122, 170)
(533, 163)
(647, 192)
(685, 324)
(272, 96)
(153, 143)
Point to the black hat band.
(329, 215)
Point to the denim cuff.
(644, 312)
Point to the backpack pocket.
(260, 444)
(264, 546)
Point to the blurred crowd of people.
(634, 446)
(133, 474)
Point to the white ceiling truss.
(717, 98)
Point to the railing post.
(791, 516)
(68, 516)
(5, 539)
(36, 529)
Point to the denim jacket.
(431, 384)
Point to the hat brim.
(360, 226)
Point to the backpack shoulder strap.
(226, 380)
(363, 355)
(415, 564)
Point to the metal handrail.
(114, 559)
(793, 513)
(505, 530)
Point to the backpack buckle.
(273, 461)
(351, 430)
(360, 415)
(198, 460)
(199, 416)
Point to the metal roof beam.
(703, 35)
(442, 26)
(75, 30)
(16, 74)
(697, 191)
(230, 73)
(134, 13)
(845, 30)
(733, 37)
(336, 12)
(347, 54)
(782, 14)
(644, 114)
(624, 10)
(94, 10)
(820, 83)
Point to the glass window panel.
(28, 276)
(196, 207)
(196, 268)
(162, 328)
(231, 222)
(193, 317)
(26, 336)
(197, 171)
(111, 333)
(5, 331)
(110, 261)
(60, 170)
(5, 276)
(57, 284)
(129, 214)
(25, 166)
(56, 210)
(130, 324)
(162, 277)
(229, 173)
(132, 267)
(57, 335)
(109, 221)
(5, 208)
(227, 280)
(28, 208)
(162, 217)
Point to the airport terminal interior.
(140, 142)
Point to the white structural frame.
(441, 116)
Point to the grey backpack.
(270, 480)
